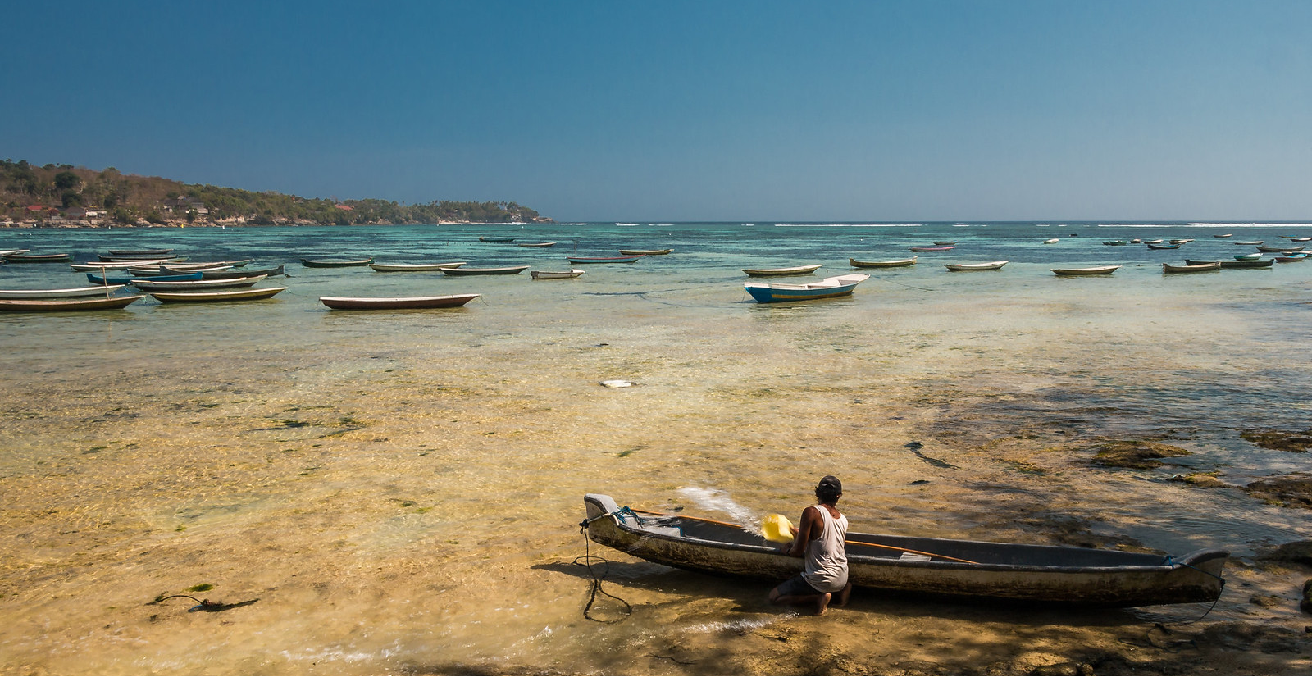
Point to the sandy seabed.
(387, 495)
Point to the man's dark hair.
(829, 489)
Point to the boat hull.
(197, 285)
(1014, 572)
(218, 296)
(883, 264)
(975, 267)
(555, 274)
(645, 252)
(51, 294)
(335, 264)
(70, 305)
(461, 272)
(1086, 272)
(412, 303)
(575, 260)
(781, 272)
(414, 267)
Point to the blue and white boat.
(776, 292)
(186, 277)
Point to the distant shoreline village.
(65, 196)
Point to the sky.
(684, 111)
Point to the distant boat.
(883, 264)
(112, 303)
(1300, 239)
(46, 294)
(234, 274)
(560, 274)
(1115, 242)
(408, 303)
(204, 265)
(414, 267)
(777, 292)
(1291, 259)
(1222, 236)
(537, 245)
(1054, 240)
(944, 247)
(497, 240)
(645, 252)
(975, 267)
(582, 260)
(946, 242)
(196, 285)
(143, 256)
(1181, 241)
(101, 278)
(455, 272)
(1152, 241)
(162, 271)
(1240, 264)
(1252, 243)
(5, 253)
(1163, 246)
(1248, 257)
(218, 296)
(151, 253)
(1169, 269)
(781, 272)
(331, 263)
(38, 258)
(1136, 241)
(1279, 249)
(92, 266)
(1084, 272)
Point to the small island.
(65, 196)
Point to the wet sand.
(401, 493)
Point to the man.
(819, 539)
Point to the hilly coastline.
(63, 195)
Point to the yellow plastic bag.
(777, 528)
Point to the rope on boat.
(596, 580)
(1170, 561)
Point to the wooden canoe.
(72, 304)
(931, 248)
(962, 569)
(1180, 241)
(1115, 242)
(155, 253)
(163, 271)
(1169, 269)
(582, 260)
(645, 252)
(555, 274)
(457, 272)
(331, 263)
(38, 258)
(975, 267)
(414, 267)
(1256, 242)
(48, 294)
(536, 245)
(946, 242)
(112, 258)
(1279, 249)
(100, 279)
(1239, 264)
(234, 274)
(781, 272)
(218, 296)
(1225, 236)
(197, 284)
(93, 266)
(832, 287)
(411, 303)
(1163, 246)
(497, 240)
(1085, 272)
(901, 263)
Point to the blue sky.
(670, 110)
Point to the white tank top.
(826, 556)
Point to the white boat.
(94, 266)
(414, 267)
(781, 272)
(556, 274)
(1054, 240)
(832, 287)
(974, 267)
(12, 252)
(41, 294)
(1077, 272)
(197, 285)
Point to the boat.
(218, 296)
(1248, 257)
(414, 267)
(1114, 242)
(196, 284)
(1136, 241)
(485, 271)
(583, 260)
(946, 242)
(5, 253)
(1300, 239)
(234, 274)
(1256, 242)
(165, 271)
(944, 247)
(536, 245)
(72, 304)
(558, 274)
(883, 264)
(831, 287)
(1163, 246)
(1280, 249)
(1225, 236)
(1240, 264)
(975, 267)
(93, 266)
(1054, 240)
(111, 258)
(939, 567)
(1084, 272)
(411, 303)
(1181, 241)
(1152, 241)
(645, 252)
(152, 253)
(205, 265)
(497, 240)
(1167, 268)
(781, 272)
(43, 294)
(101, 278)
(37, 258)
(335, 263)
(1291, 259)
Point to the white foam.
(847, 225)
(719, 501)
(735, 625)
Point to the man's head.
(829, 490)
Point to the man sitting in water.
(819, 538)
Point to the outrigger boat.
(964, 569)
(37, 258)
(775, 292)
(497, 240)
(883, 264)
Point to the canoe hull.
(1117, 579)
(781, 272)
(414, 303)
(1086, 272)
(882, 264)
(460, 272)
(575, 260)
(52, 294)
(556, 274)
(76, 304)
(218, 296)
(335, 264)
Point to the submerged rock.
(1277, 440)
(1293, 490)
(1201, 479)
(1134, 454)
(1299, 551)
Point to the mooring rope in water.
(596, 580)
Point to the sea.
(402, 489)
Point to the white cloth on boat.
(826, 556)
